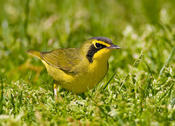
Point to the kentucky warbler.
(78, 69)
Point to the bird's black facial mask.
(93, 49)
(98, 46)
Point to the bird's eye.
(98, 45)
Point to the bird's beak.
(113, 47)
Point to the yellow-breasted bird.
(78, 69)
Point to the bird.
(78, 69)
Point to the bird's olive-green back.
(64, 59)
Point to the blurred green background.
(46, 25)
(144, 67)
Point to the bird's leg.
(55, 90)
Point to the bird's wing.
(64, 59)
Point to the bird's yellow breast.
(88, 75)
(92, 74)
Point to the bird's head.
(98, 48)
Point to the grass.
(139, 87)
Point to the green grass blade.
(110, 80)
(168, 61)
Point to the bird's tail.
(34, 53)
